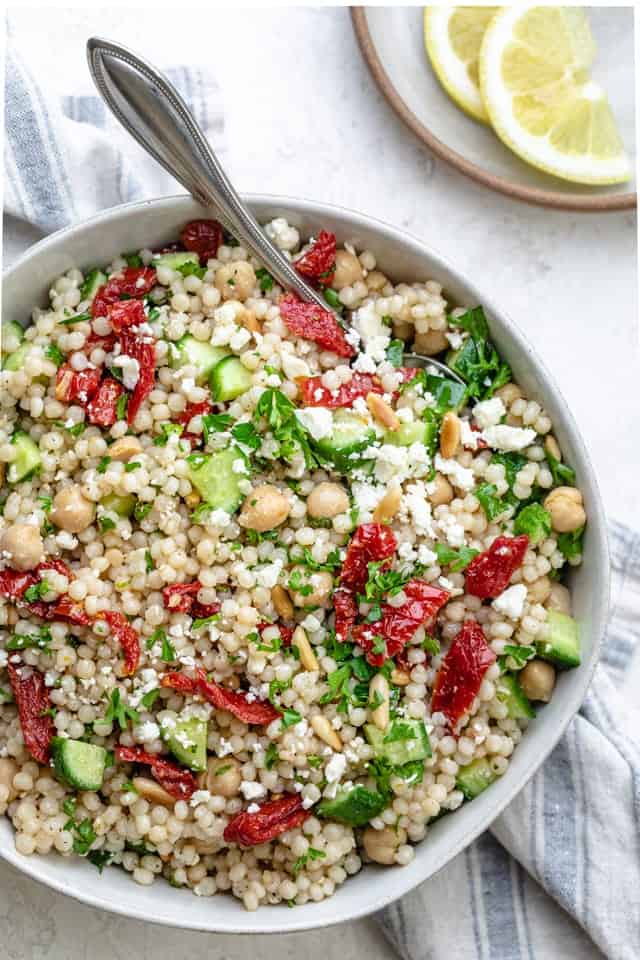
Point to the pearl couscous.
(272, 600)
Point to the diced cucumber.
(122, 505)
(417, 431)
(92, 282)
(79, 764)
(27, 460)
(15, 361)
(176, 259)
(562, 645)
(11, 336)
(197, 353)
(350, 436)
(403, 742)
(475, 778)
(229, 379)
(215, 479)
(356, 806)
(512, 695)
(187, 741)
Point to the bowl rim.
(553, 199)
(598, 530)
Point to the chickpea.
(537, 680)
(348, 270)
(125, 448)
(8, 770)
(266, 507)
(381, 845)
(71, 511)
(431, 342)
(376, 280)
(443, 492)
(327, 500)
(149, 790)
(223, 776)
(539, 590)
(315, 588)
(509, 393)
(21, 544)
(235, 281)
(559, 599)
(566, 509)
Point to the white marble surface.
(304, 118)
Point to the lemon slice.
(534, 77)
(452, 38)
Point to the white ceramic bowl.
(402, 257)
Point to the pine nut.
(449, 435)
(64, 385)
(323, 729)
(308, 658)
(551, 446)
(400, 677)
(388, 506)
(153, 792)
(249, 321)
(125, 448)
(382, 412)
(282, 602)
(378, 687)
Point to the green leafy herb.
(168, 653)
(89, 282)
(215, 423)
(148, 561)
(36, 591)
(311, 854)
(200, 622)
(271, 756)
(77, 429)
(5, 696)
(76, 318)
(431, 645)
(223, 769)
(141, 510)
(331, 564)
(150, 698)
(455, 559)
(105, 524)
(133, 259)
(535, 521)
(265, 279)
(69, 807)
(569, 544)
(382, 583)
(290, 717)
(562, 473)
(167, 430)
(54, 354)
(298, 583)
(100, 858)
(129, 787)
(399, 731)
(520, 654)
(280, 416)
(395, 352)
(46, 503)
(85, 836)
(477, 361)
(314, 760)
(32, 641)
(121, 406)
(493, 506)
(247, 434)
(104, 463)
(119, 712)
(254, 537)
(191, 269)
(333, 299)
(131, 466)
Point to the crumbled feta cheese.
(130, 370)
(225, 748)
(294, 366)
(511, 601)
(404, 414)
(239, 466)
(487, 413)
(461, 476)
(367, 495)
(252, 789)
(267, 575)
(253, 808)
(374, 333)
(240, 339)
(335, 768)
(454, 338)
(468, 437)
(425, 555)
(318, 421)
(503, 437)
(416, 502)
(365, 363)
(147, 731)
(200, 796)
(453, 531)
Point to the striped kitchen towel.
(66, 157)
(570, 839)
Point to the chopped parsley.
(36, 592)
(535, 521)
(265, 280)
(215, 423)
(32, 641)
(311, 854)
(562, 473)
(54, 354)
(290, 717)
(383, 583)
(84, 837)
(455, 559)
(100, 858)
(395, 352)
(168, 653)
(520, 654)
(121, 406)
(131, 466)
(247, 434)
(167, 430)
(105, 524)
(133, 259)
(491, 503)
(104, 463)
(148, 561)
(204, 621)
(477, 361)
(191, 269)
(150, 698)
(569, 544)
(119, 712)
(76, 318)
(280, 416)
(271, 756)
(141, 510)
(333, 299)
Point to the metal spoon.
(154, 113)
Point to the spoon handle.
(154, 113)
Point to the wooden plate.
(391, 41)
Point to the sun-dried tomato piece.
(370, 543)
(489, 573)
(462, 671)
(126, 313)
(234, 701)
(77, 385)
(346, 611)
(202, 237)
(315, 395)
(385, 638)
(311, 322)
(286, 633)
(102, 408)
(104, 342)
(273, 818)
(181, 598)
(142, 349)
(64, 608)
(126, 636)
(177, 781)
(32, 699)
(13, 583)
(319, 262)
(187, 415)
(132, 282)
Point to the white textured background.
(304, 118)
